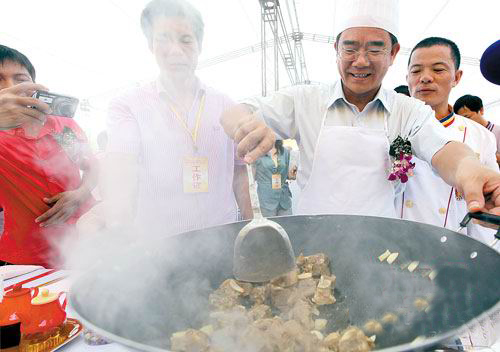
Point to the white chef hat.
(382, 14)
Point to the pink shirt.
(141, 123)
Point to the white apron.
(349, 173)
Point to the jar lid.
(44, 297)
(17, 290)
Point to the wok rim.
(426, 342)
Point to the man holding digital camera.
(41, 190)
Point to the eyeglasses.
(349, 54)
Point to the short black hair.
(471, 102)
(438, 41)
(402, 89)
(394, 40)
(172, 8)
(9, 54)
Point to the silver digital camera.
(61, 105)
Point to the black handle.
(486, 217)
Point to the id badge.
(276, 181)
(195, 174)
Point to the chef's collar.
(162, 92)
(447, 119)
(338, 94)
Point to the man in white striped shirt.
(169, 166)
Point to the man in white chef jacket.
(433, 71)
(344, 130)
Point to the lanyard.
(277, 165)
(194, 132)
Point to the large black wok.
(144, 294)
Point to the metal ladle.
(262, 249)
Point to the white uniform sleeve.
(425, 133)
(278, 111)
(488, 158)
(412, 119)
(488, 153)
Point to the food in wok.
(281, 315)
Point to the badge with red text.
(276, 181)
(195, 174)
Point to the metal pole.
(263, 44)
(276, 50)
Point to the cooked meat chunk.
(220, 301)
(318, 335)
(260, 294)
(234, 318)
(285, 298)
(226, 296)
(389, 318)
(306, 288)
(302, 313)
(275, 332)
(296, 338)
(208, 329)
(263, 324)
(317, 264)
(190, 341)
(286, 280)
(354, 340)
(241, 316)
(280, 297)
(260, 311)
(373, 327)
(230, 286)
(293, 328)
(304, 276)
(246, 286)
(324, 294)
(421, 304)
(254, 339)
(320, 324)
(332, 341)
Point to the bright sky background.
(93, 49)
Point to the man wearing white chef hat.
(345, 131)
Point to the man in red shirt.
(41, 191)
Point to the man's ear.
(394, 51)
(481, 111)
(458, 77)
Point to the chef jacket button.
(442, 210)
(461, 128)
(409, 203)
